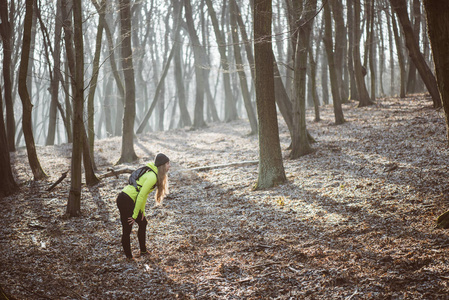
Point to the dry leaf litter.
(354, 221)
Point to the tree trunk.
(400, 8)
(271, 169)
(241, 72)
(200, 63)
(74, 201)
(328, 42)
(353, 93)
(340, 45)
(25, 97)
(391, 52)
(401, 59)
(230, 103)
(9, 185)
(182, 100)
(54, 84)
(128, 154)
(316, 100)
(438, 29)
(6, 32)
(93, 86)
(372, 54)
(300, 141)
(363, 96)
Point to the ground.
(354, 221)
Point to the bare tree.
(360, 72)
(128, 154)
(438, 28)
(200, 63)
(333, 70)
(56, 76)
(400, 7)
(74, 201)
(240, 70)
(33, 160)
(6, 34)
(271, 169)
(8, 185)
(230, 103)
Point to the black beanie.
(161, 159)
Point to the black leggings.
(126, 207)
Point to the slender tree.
(36, 168)
(74, 201)
(401, 59)
(128, 154)
(240, 70)
(400, 7)
(6, 27)
(8, 185)
(56, 78)
(438, 28)
(199, 54)
(230, 103)
(360, 72)
(271, 169)
(328, 42)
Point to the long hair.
(161, 184)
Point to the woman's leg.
(126, 206)
(142, 232)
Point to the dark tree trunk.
(438, 28)
(129, 116)
(36, 168)
(400, 8)
(271, 169)
(9, 185)
(328, 41)
(6, 34)
(363, 96)
(74, 201)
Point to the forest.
(308, 143)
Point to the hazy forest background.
(275, 89)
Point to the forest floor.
(354, 221)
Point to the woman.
(131, 201)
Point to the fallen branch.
(117, 172)
(243, 163)
(63, 176)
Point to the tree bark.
(328, 42)
(6, 34)
(200, 63)
(363, 96)
(230, 103)
(438, 28)
(93, 86)
(33, 160)
(241, 72)
(128, 154)
(271, 169)
(300, 141)
(54, 84)
(401, 59)
(400, 8)
(74, 201)
(9, 185)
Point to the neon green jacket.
(147, 182)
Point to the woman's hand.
(131, 221)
